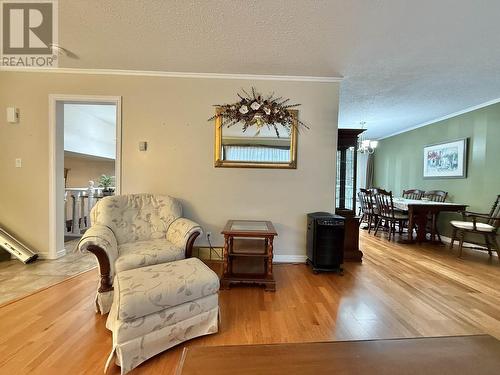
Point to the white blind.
(260, 153)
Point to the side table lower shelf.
(249, 278)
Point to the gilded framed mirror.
(256, 147)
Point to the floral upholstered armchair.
(132, 231)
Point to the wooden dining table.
(418, 211)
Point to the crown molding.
(446, 117)
(153, 73)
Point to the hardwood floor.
(398, 291)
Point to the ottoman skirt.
(182, 301)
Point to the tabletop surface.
(249, 226)
(478, 354)
(424, 202)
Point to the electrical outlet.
(209, 234)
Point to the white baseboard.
(289, 258)
(59, 254)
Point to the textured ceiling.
(405, 62)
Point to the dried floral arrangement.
(257, 110)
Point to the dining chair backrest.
(413, 194)
(495, 213)
(436, 195)
(385, 205)
(366, 201)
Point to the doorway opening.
(85, 164)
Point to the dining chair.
(366, 202)
(434, 196)
(387, 213)
(413, 194)
(488, 228)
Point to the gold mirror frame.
(219, 163)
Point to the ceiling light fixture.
(366, 146)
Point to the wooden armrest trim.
(190, 243)
(470, 213)
(104, 268)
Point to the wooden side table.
(248, 253)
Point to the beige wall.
(171, 113)
(82, 169)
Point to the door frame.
(56, 154)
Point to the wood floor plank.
(398, 291)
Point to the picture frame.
(446, 159)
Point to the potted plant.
(106, 182)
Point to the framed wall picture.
(446, 160)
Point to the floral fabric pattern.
(126, 330)
(132, 353)
(179, 231)
(133, 230)
(160, 306)
(147, 290)
(147, 253)
(136, 217)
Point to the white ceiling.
(405, 62)
(90, 129)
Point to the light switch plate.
(19, 163)
(12, 115)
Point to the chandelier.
(366, 146)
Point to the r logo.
(27, 28)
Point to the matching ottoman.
(157, 307)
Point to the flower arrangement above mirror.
(259, 111)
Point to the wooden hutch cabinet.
(345, 197)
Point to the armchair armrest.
(475, 214)
(182, 233)
(101, 241)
